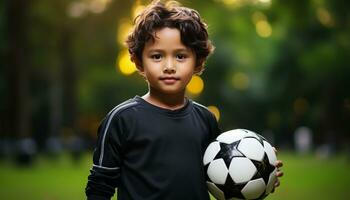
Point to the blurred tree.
(278, 65)
(18, 68)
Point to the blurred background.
(280, 68)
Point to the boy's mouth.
(169, 79)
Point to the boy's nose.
(169, 70)
(169, 67)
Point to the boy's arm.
(214, 126)
(105, 172)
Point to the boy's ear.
(140, 70)
(199, 68)
(138, 65)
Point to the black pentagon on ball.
(228, 151)
(231, 189)
(264, 169)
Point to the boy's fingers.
(278, 183)
(278, 163)
(279, 174)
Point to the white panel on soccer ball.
(250, 133)
(231, 136)
(241, 169)
(270, 153)
(272, 181)
(215, 191)
(217, 171)
(252, 149)
(211, 151)
(254, 189)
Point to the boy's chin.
(170, 91)
(173, 92)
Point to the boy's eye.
(181, 56)
(156, 56)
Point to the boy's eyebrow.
(162, 50)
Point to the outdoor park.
(280, 68)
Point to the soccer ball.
(239, 164)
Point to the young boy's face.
(167, 64)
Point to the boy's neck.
(167, 101)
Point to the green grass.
(46, 180)
(306, 177)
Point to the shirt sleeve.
(214, 127)
(105, 173)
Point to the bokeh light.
(240, 81)
(98, 6)
(325, 17)
(232, 3)
(137, 10)
(76, 9)
(262, 26)
(124, 64)
(196, 85)
(123, 30)
(263, 29)
(215, 110)
(235, 4)
(266, 2)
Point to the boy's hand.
(279, 173)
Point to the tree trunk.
(69, 75)
(18, 64)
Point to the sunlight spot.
(325, 17)
(137, 9)
(76, 9)
(265, 2)
(263, 28)
(196, 85)
(123, 31)
(215, 110)
(233, 3)
(97, 6)
(125, 65)
(240, 81)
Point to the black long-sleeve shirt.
(151, 153)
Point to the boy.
(151, 147)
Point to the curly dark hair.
(159, 15)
